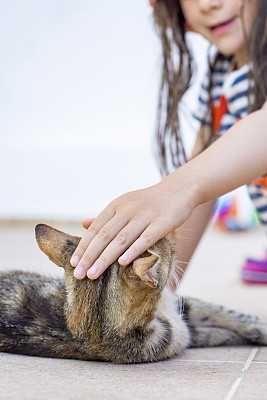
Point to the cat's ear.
(57, 245)
(145, 268)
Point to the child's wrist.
(181, 185)
(196, 184)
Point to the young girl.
(232, 102)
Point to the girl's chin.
(227, 48)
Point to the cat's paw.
(257, 334)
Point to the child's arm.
(138, 219)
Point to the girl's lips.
(223, 27)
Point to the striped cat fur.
(127, 315)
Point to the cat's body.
(128, 315)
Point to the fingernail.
(78, 272)
(124, 258)
(74, 261)
(92, 272)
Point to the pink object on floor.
(254, 271)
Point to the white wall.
(78, 95)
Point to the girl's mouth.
(222, 27)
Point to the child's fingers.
(136, 219)
(139, 238)
(90, 233)
(93, 247)
(148, 237)
(115, 248)
(86, 222)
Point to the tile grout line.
(260, 362)
(241, 375)
(212, 361)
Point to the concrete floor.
(238, 373)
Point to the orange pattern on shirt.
(262, 182)
(218, 112)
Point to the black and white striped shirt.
(228, 90)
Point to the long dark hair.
(177, 70)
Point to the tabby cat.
(127, 315)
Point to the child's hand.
(138, 219)
(133, 221)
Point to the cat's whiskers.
(174, 279)
(181, 237)
(176, 235)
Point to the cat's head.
(122, 295)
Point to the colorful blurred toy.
(254, 271)
(234, 211)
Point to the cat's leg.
(199, 314)
(210, 336)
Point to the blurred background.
(78, 98)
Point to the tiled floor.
(238, 373)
